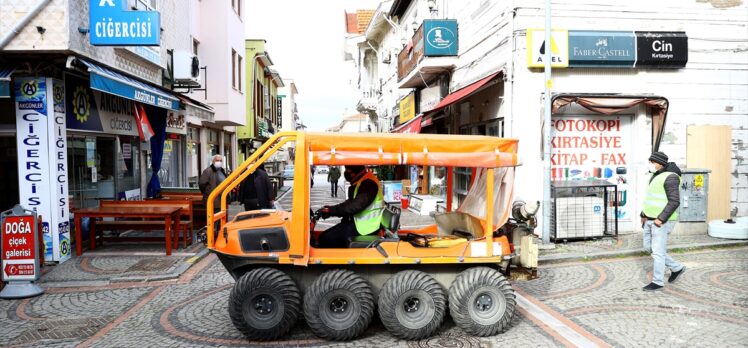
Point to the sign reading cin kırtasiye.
(19, 257)
(112, 24)
(608, 49)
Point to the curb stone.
(561, 258)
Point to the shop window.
(99, 168)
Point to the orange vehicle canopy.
(416, 149)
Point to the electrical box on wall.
(186, 68)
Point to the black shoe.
(652, 287)
(674, 275)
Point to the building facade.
(81, 122)
(670, 62)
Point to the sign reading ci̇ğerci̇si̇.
(112, 24)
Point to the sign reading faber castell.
(111, 24)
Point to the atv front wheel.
(264, 304)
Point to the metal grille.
(584, 209)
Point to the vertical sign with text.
(19, 257)
(59, 218)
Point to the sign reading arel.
(111, 24)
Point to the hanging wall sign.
(661, 49)
(602, 48)
(536, 47)
(112, 24)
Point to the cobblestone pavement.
(600, 301)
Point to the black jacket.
(257, 190)
(672, 190)
(366, 194)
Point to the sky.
(305, 41)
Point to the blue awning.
(112, 82)
(5, 72)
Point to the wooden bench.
(185, 220)
(199, 211)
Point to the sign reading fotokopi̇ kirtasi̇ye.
(111, 24)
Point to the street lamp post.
(547, 128)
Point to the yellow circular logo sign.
(29, 89)
(81, 105)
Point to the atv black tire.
(481, 301)
(339, 305)
(264, 304)
(412, 305)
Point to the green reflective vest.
(656, 199)
(368, 220)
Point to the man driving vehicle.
(361, 212)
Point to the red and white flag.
(144, 127)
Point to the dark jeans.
(251, 204)
(337, 236)
(334, 188)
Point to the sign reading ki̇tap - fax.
(112, 24)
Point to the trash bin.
(694, 193)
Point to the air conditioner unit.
(386, 57)
(186, 68)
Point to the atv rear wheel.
(264, 304)
(412, 305)
(481, 301)
(339, 305)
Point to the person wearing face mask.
(361, 213)
(211, 178)
(659, 217)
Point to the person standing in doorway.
(659, 217)
(332, 177)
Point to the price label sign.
(19, 255)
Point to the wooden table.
(167, 214)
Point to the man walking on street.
(660, 216)
(332, 177)
(209, 180)
(256, 191)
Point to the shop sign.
(19, 257)
(429, 98)
(95, 111)
(408, 108)
(536, 47)
(602, 48)
(176, 122)
(112, 24)
(661, 49)
(409, 57)
(441, 37)
(593, 147)
(42, 159)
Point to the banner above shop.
(661, 49)
(110, 23)
(536, 47)
(94, 111)
(112, 82)
(602, 48)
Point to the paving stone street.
(115, 300)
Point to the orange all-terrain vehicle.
(411, 277)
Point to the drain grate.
(152, 265)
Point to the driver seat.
(387, 232)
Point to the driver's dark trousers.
(337, 236)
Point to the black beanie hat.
(659, 157)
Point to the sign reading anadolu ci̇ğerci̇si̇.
(111, 24)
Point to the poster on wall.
(594, 147)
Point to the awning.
(609, 104)
(413, 126)
(196, 109)
(463, 92)
(5, 72)
(112, 82)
